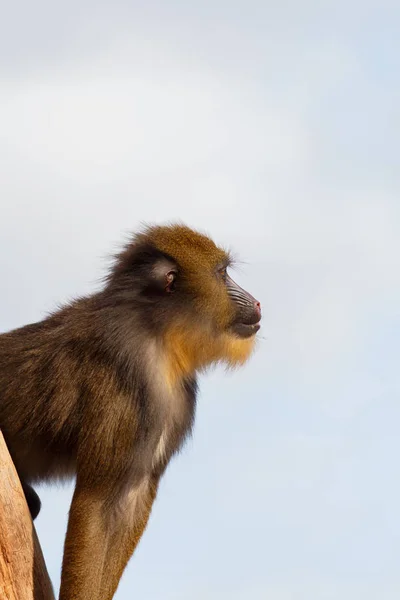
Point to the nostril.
(258, 307)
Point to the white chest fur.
(160, 454)
(172, 409)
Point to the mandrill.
(105, 389)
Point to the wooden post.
(23, 573)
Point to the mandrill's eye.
(222, 273)
(170, 281)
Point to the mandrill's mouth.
(244, 330)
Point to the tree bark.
(23, 573)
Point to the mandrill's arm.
(111, 505)
(124, 539)
(102, 535)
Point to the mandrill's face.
(197, 274)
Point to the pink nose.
(258, 308)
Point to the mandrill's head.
(177, 280)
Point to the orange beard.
(189, 349)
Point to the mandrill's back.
(43, 367)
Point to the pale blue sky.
(275, 128)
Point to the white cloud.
(104, 128)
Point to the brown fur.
(105, 388)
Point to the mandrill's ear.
(163, 275)
(153, 271)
